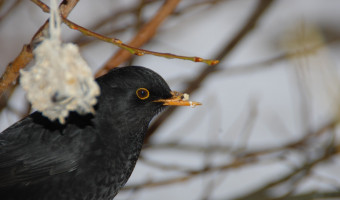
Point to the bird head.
(139, 90)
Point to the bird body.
(90, 157)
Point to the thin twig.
(316, 195)
(131, 49)
(194, 148)
(191, 174)
(243, 159)
(258, 194)
(240, 162)
(142, 36)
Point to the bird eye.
(142, 93)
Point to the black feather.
(90, 156)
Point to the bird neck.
(121, 142)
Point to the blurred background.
(268, 127)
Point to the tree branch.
(12, 70)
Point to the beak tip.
(194, 104)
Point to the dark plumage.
(90, 157)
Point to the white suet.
(60, 81)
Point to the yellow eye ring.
(142, 93)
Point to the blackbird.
(91, 156)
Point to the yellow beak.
(178, 99)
